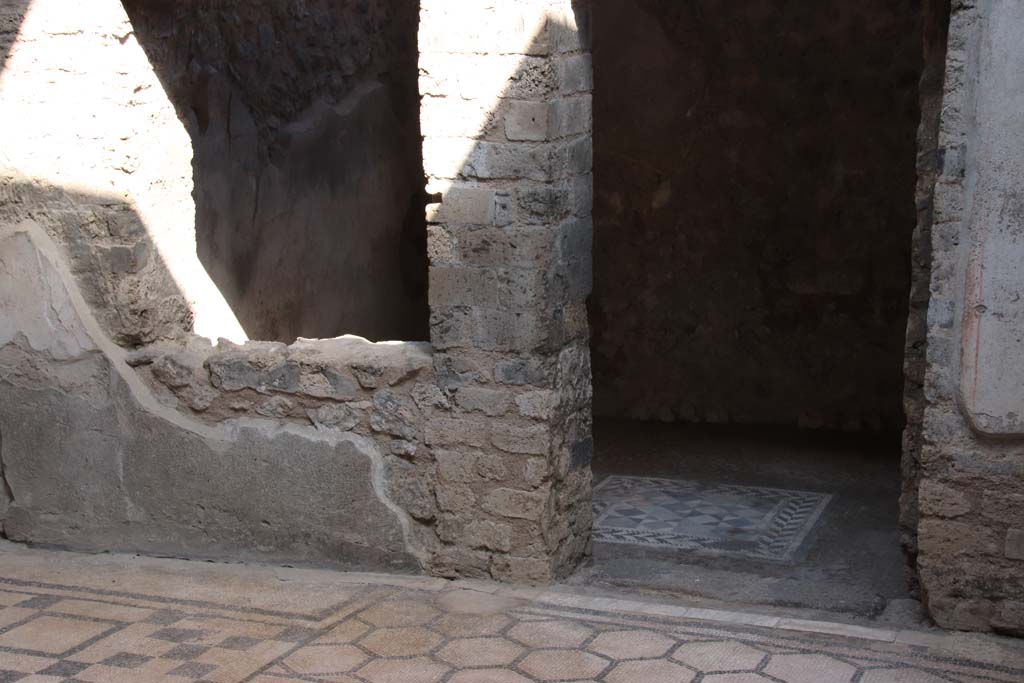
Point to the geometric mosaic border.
(776, 535)
(386, 634)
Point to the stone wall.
(98, 266)
(970, 498)
(929, 165)
(754, 175)
(121, 429)
(506, 124)
(119, 205)
(92, 460)
(304, 119)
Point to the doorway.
(755, 169)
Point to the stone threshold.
(555, 597)
(567, 597)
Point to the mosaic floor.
(70, 619)
(750, 521)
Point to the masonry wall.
(123, 426)
(970, 496)
(754, 203)
(119, 206)
(506, 122)
(99, 267)
(929, 166)
(304, 120)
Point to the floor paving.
(749, 515)
(70, 618)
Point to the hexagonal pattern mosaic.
(78, 628)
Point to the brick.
(442, 247)
(1000, 504)
(535, 471)
(527, 121)
(575, 239)
(939, 538)
(456, 498)
(455, 465)
(536, 404)
(451, 327)
(394, 415)
(941, 500)
(447, 157)
(492, 402)
(452, 561)
(444, 431)
(459, 285)
(544, 204)
(575, 74)
(508, 28)
(518, 330)
(1015, 544)
(511, 247)
(512, 161)
(572, 116)
(488, 535)
(490, 466)
(534, 440)
(464, 205)
(520, 371)
(580, 153)
(427, 396)
(521, 569)
(486, 77)
(522, 288)
(455, 117)
(583, 194)
(490, 329)
(504, 209)
(504, 502)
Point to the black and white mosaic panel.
(749, 521)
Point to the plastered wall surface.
(754, 183)
(304, 121)
(91, 460)
(80, 106)
(970, 497)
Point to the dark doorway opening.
(755, 171)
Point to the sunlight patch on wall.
(504, 40)
(83, 111)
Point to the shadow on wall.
(121, 274)
(524, 327)
(307, 170)
(506, 124)
(12, 12)
(90, 460)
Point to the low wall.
(92, 460)
(122, 428)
